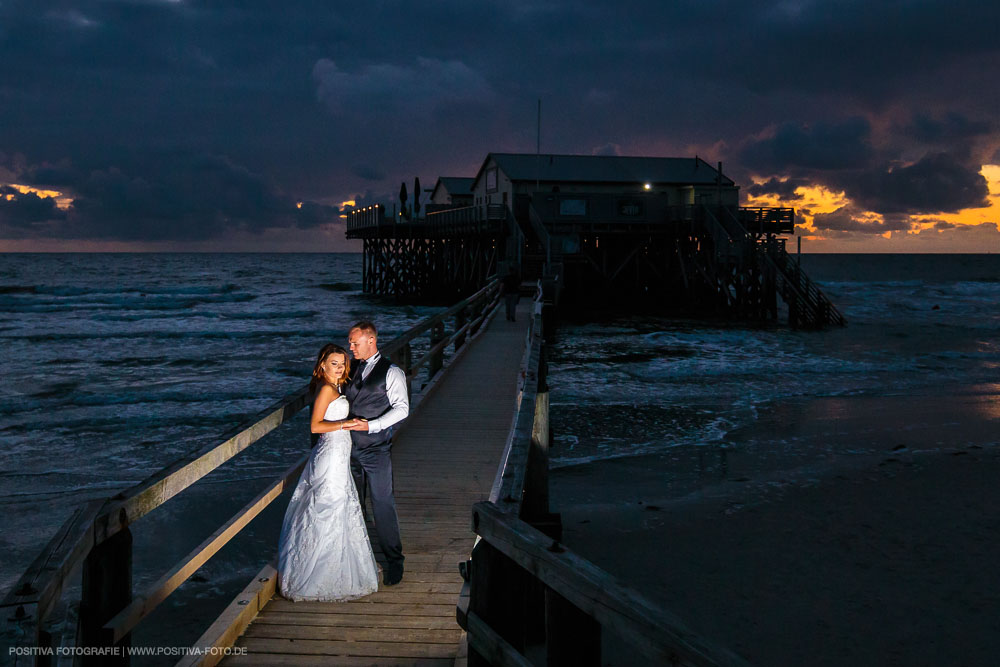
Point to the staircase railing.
(543, 234)
(821, 308)
(799, 292)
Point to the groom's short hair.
(366, 327)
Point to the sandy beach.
(878, 550)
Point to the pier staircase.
(749, 267)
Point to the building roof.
(455, 185)
(605, 169)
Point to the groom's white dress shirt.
(395, 389)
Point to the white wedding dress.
(324, 553)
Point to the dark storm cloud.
(181, 198)
(941, 174)
(21, 210)
(776, 186)
(851, 219)
(368, 173)
(953, 126)
(937, 183)
(869, 51)
(819, 146)
(325, 100)
(60, 174)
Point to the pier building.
(664, 234)
(451, 192)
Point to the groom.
(377, 394)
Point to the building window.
(576, 207)
(491, 180)
(630, 208)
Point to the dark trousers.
(371, 468)
(511, 303)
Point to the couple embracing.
(324, 553)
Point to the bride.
(324, 553)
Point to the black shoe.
(392, 577)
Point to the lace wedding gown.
(324, 553)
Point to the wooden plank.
(390, 595)
(362, 608)
(349, 621)
(263, 630)
(623, 610)
(349, 648)
(276, 660)
(142, 606)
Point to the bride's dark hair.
(318, 376)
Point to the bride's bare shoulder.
(327, 392)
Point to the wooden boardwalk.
(444, 460)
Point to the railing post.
(535, 507)
(477, 307)
(461, 317)
(404, 359)
(107, 589)
(571, 636)
(437, 359)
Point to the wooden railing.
(449, 223)
(808, 306)
(368, 216)
(811, 306)
(526, 593)
(97, 536)
(767, 219)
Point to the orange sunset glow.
(62, 201)
(816, 199)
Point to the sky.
(217, 125)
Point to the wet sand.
(878, 549)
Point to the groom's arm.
(395, 389)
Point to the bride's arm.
(317, 424)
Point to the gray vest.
(369, 400)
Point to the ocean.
(115, 365)
(917, 325)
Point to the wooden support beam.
(572, 636)
(107, 588)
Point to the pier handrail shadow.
(528, 599)
(96, 538)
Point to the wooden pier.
(445, 460)
(486, 581)
(680, 243)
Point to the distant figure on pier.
(324, 553)
(511, 292)
(378, 397)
